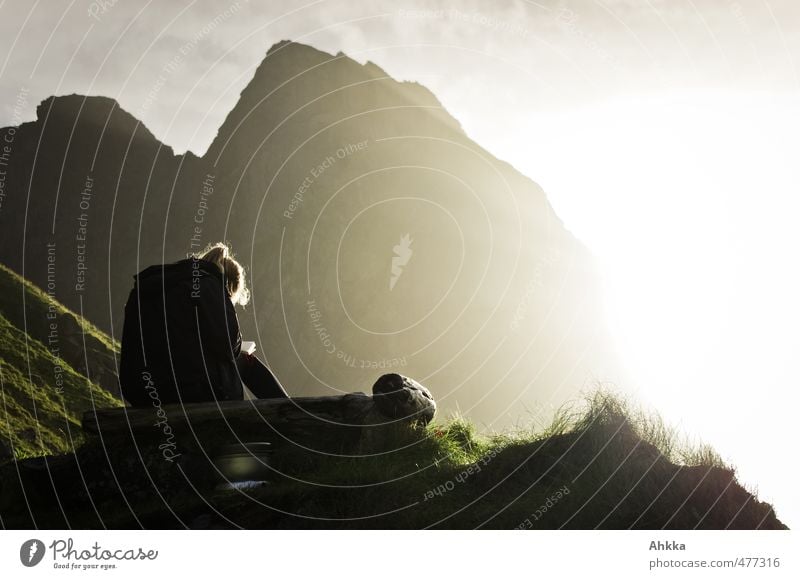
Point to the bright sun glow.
(690, 204)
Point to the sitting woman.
(181, 340)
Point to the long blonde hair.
(220, 254)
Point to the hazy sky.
(664, 131)
(489, 62)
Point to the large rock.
(398, 396)
(401, 407)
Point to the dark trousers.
(258, 378)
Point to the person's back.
(181, 337)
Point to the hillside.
(603, 467)
(44, 350)
(600, 465)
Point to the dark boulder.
(398, 396)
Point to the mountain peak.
(280, 45)
(293, 76)
(57, 104)
(99, 111)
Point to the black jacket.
(180, 338)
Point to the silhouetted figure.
(181, 340)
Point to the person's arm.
(259, 378)
(219, 327)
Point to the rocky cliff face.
(378, 237)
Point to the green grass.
(37, 416)
(33, 316)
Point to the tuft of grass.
(457, 441)
(605, 408)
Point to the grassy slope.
(620, 469)
(35, 416)
(32, 316)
